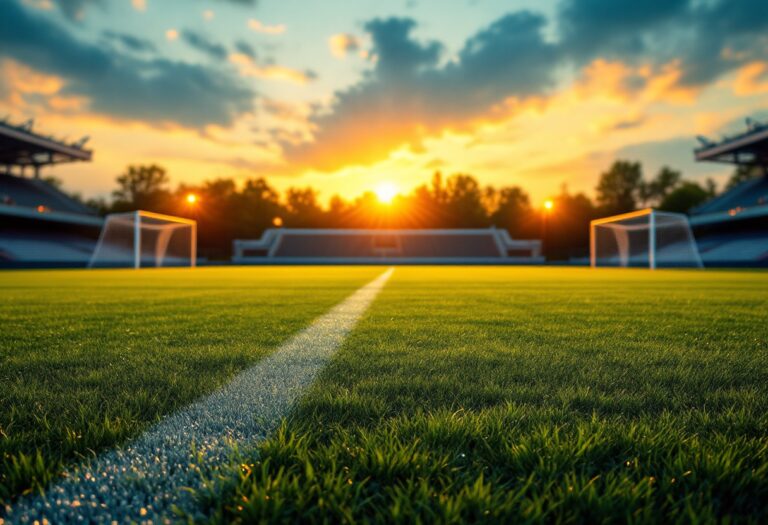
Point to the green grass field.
(465, 394)
(90, 359)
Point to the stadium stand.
(39, 224)
(732, 229)
(329, 246)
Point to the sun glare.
(191, 198)
(385, 192)
(548, 204)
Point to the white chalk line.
(141, 482)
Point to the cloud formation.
(654, 49)
(75, 9)
(410, 94)
(130, 42)
(153, 90)
(203, 44)
(260, 27)
(249, 67)
(707, 39)
(342, 44)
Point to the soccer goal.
(142, 239)
(645, 239)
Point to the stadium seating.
(42, 226)
(361, 246)
(41, 248)
(730, 249)
(34, 193)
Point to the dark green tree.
(464, 202)
(618, 189)
(303, 208)
(142, 188)
(512, 210)
(686, 196)
(654, 191)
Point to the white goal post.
(145, 239)
(645, 238)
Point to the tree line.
(226, 211)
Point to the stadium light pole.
(548, 206)
(192, 201)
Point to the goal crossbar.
(165, 225)
(656, 221)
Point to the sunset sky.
(347, 95)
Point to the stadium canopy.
(19, 146)
(748, 148)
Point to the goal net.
(143, 239)
(644, 239)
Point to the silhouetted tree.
(303, 208)
(141, 188)
(257, 205)
(512, 210)
(618, 188)
(567, 233)
(656, 190)
(686, 196)
(464, 203)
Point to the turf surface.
(90, 359)
(528, 395)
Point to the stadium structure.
(39, 224)
(360, 246)
(732, 229)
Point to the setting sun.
(385, 192)
(548, 204)
(191, 198)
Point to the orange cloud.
(619, 82)
(139, 5)
(751, 79)
(249, 68)
(260, 27)
(286, 111)
(28, 81)
(343, 43)
(64, 103)
(171, 35)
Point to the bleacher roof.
(19, 146)
(750, 147)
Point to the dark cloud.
(202, 43)
(708, 38)
(411, 93)
(397, 54)
(241, 46)
(613, 29)
(119, 85)
(75, 9)
(628, 123)
(130, 42)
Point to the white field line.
(144, 480)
